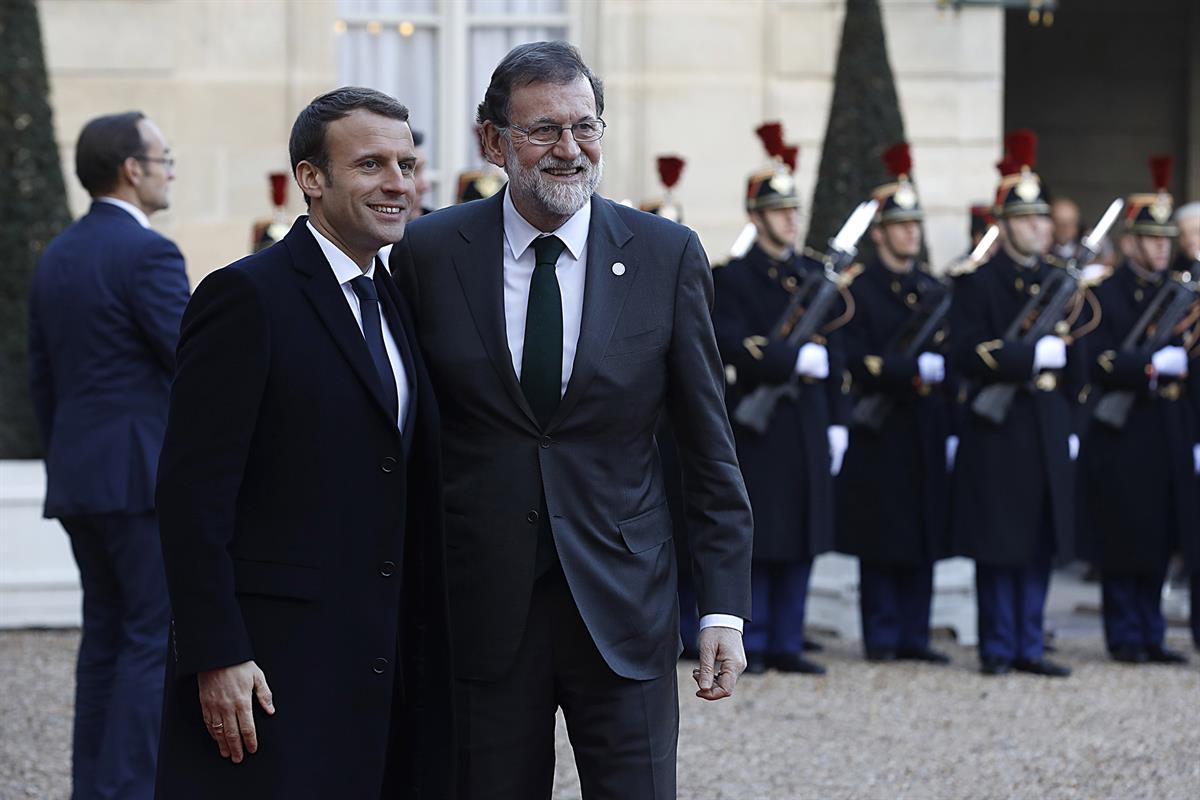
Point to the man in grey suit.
(558, 327)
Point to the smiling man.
(300, 500)
(558, 327)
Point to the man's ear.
(877, 234)
(130, 172)
(493, 148)
(310, 180)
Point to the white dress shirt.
(345, 270)
(130, 208)
(519, 262)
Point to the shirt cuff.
(721, 621)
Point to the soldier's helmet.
(1150, 214)
(981, 219)
(669, 170)
(775, 185)
(1020, 192)
(898, 201)
(476, 184)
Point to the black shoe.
(756, 664)
(1157, 654)
(880, 656)
(1128, 654)
(813, 647)
(1041, 666)
(793, 662)
(994, 666)
(926, 654)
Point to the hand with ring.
(226, 701)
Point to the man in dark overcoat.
(299, 492)
(893, 490)
(1139, 482)
(788, 468)
(1013, 484)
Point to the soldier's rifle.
(915, 337)
(1172, 307)
(1043, 315)
(806, 314)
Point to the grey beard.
(557, 198)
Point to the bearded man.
(559, 327)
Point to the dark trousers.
(1133, 609)
(122, 655)
(1012, 602)
(624, 732)
(895, 605)
(778, 594)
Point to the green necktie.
(541, 361)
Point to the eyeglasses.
(168, 162)
(590, 130)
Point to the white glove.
(1073, 446)
(839, 440)
(1050, 352)
(1171, 361)
(1196, 457)
(813, 361)
(932, 367)
(951, 452)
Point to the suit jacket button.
(388, 465)
(379, 666)
(387, 569)
(531, 517)
(546, 441)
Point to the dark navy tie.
(368, 299)
(541, 359)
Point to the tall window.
(436, 57)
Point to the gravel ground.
(863, 731)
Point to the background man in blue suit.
(107, 300)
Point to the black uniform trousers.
(122, 656)
(624, 732)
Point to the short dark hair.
(103, 145)
(307, 142)
(418, 138)
(535, 62)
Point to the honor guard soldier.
(1013, 486)
(1137, 465)
(893, 490)
(477, 184)
(787, 469)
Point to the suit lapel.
(482, 281)
(323, 292)
(401, 329)
(604, 294)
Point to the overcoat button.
(546, 441)
(387, 569)
(531, 517)
(379, 665)
(388, 465)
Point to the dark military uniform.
(1013, 484)
(1139, 483)
(893, 490)
(787, 469)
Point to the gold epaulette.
(1055, 261)
(815, 255)
(849, 274)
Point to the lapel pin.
(618, 269)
